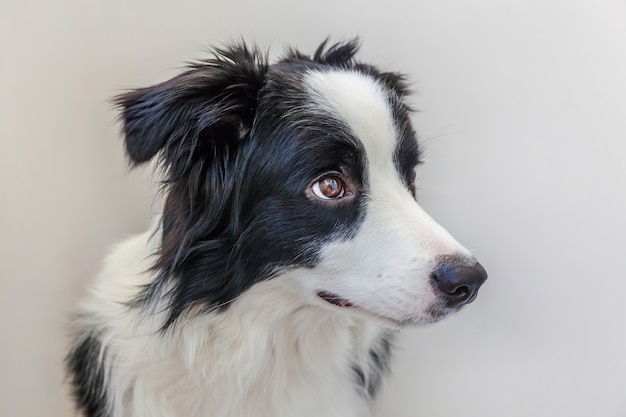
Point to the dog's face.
(304, 169)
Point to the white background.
(523, 109)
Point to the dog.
(289, 252)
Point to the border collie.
(289, 251)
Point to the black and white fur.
(255, 293)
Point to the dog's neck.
(272, 346)
(268, 349)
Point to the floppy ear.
(214, 100)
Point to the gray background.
(523, 109)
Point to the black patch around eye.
(243, 215)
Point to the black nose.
(459, 280)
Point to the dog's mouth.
(334, 299)
(338, 301)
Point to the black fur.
(239, 148)
(85, 365)
(213, 101)
(239, 144)
(369, 380)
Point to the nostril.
(458, 281)
(461, 292)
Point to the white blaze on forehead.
(385, 268)
(363, 104)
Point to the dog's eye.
(412, 176)
(329, 187)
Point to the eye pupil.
(330, 187)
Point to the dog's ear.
(214, 100)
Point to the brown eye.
(412, 175)
(328, 188)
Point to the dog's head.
(305, 167)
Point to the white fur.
(385, 269)
(278, 350)
(258, 358)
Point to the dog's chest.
(299, 366)
(259, 358)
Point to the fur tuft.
(212, 102)
(85, 364)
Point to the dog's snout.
(459, 281)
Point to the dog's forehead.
(363, 104)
